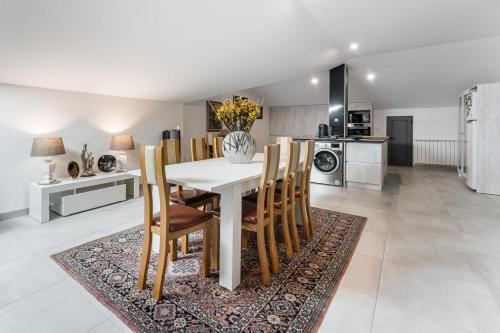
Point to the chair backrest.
(268, 180)
(291, 169)
(307, 166)
(171, 151)
(199, 149)
(153, 173)
(217, 146)
(283, 141)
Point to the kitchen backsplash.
(297, 121)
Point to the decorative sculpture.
(87, 162)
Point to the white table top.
(213, 174)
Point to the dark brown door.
(400, 130)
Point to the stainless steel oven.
(358, 129)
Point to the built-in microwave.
(359, 117)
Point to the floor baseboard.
(13, 214)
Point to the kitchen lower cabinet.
(366, 164)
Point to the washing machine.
(328, 164)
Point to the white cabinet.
(367, 173)
(366, 164)
(364, 152)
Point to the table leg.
(230, 238)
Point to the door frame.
(410, 137)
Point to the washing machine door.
(326, 161)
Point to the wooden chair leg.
(244, 239)
(173, 249)
(215, 249)
(160, 269)
(305, 221)
(271, 239)
(309, 217)
(264, 264)
(145, 256)
(205, 269)
(184, 244)
(295, 233)
(286, 232)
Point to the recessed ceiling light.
(370, 76)
(354, 46)
(314, 80)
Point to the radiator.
(435, 152)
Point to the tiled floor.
(428, 261)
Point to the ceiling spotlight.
(354, 46)
(314, 80)
(370, 76)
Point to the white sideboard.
(71, 196)
(366, 164)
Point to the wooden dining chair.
(284, 200)
(192, 198)
(199, 150)
(283, 141)
(217, 146)
(171, 222)
(302, 193)
(256, 217)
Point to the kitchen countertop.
(367, 139)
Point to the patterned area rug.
(295, 301)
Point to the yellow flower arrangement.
(238, 114)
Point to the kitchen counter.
(365, 162)
(368, 139)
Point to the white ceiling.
(186, 50)
(424, 77)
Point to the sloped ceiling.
(186, 50)
(424, 77)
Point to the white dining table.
(229, 180)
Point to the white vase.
(239, 147)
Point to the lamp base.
(121, 162)
(48, 169)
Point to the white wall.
(79, 118)
(428, 123)
(435, 131)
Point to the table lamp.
(48, 147)
(121, 143)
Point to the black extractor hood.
(337, 106)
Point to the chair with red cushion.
(259, 216)
(284, 199)
(171, 222)
(192, 198)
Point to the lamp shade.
(47, 147)
(122, 142)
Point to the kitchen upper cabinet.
(297, 121)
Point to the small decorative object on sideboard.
(239, 115)
(47, 147)
(73, 169)
(120, 143)
(106, 163)
(87, 162)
